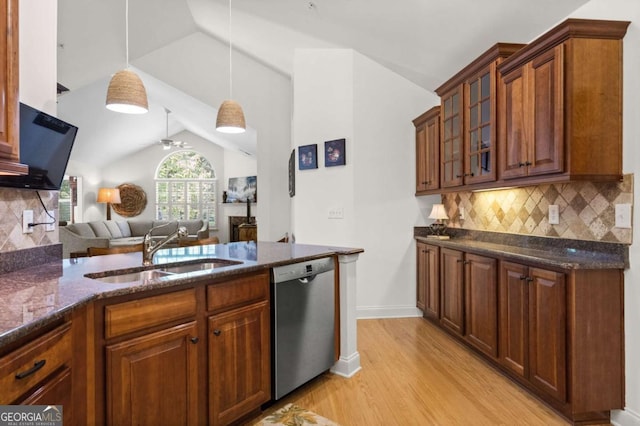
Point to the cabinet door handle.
(521, 164)
(528, 279)
(468, 174)
(459, 260)
(466, 262)
(458, 176)
(216, 332)
(528, 163)
(36, 366)
(195, 340)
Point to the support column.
(349, 362)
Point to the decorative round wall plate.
(133, 200)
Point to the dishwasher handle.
(307, 280)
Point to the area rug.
(292, 415)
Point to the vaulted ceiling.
(426, 41)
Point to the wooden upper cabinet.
(9, 100)
(469, 120)
(451, 119)
(428, 151)
(560, 105)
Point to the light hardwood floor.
(415, 374)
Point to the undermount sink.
(160, 271)
(130, 277)
(192, 267)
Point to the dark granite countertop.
(553, 252)
(35, 296)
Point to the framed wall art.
(308, 157)
(242, 189)
(292, 173)
(334, 153)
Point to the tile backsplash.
(587, 210)
(12, 203)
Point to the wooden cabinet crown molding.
(498, 50)
(571, 28)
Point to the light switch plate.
(27, 218)
(461, 213)
(623, 216)
(554, 214)
(336, 213)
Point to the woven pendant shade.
(127, 94)
(230, 118)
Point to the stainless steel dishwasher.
(303, 322)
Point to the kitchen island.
(89, 328)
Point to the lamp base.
(438, 237)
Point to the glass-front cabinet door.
(480, 134)
(451, 167)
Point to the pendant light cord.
(230, 53)
(126, 30)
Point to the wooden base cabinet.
(428, 285)
(452, 290)
(533, 326)
(481, 303)
(557, 332)
(153, 379)
(39, 372)
(158, 368)
(238, 353)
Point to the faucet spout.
(150, 247)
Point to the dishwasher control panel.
(302, 269)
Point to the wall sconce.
(439, 214)
(109, 196)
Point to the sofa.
(78, 237)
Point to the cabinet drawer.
(27, 366)
(237, 292)
(136, 315)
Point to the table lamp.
(438, 213)
(109, 196)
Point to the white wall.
(38, 26)
(198, 65)
(339, 93)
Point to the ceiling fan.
(167, 143)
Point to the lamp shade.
(109, 195)
(438, 212)
(127, 94)
(230, 118)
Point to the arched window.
(186, 188)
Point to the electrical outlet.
(27, 218)
(554, 214)
(336, 213)
(51, 217)
(623, 216)
(461, 213)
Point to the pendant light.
(230, 116)
(126, 93)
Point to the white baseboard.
(625, 417)
(371, 312)
(347, 367)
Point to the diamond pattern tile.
(12, 203)
(586, 210)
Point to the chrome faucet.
(150, 247)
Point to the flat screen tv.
(45, 146)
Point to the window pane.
(473, 92)
(485, 85)
(485, 111)
(455, 106)
(473, 117)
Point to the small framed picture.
(308, 157)
(334, 153)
